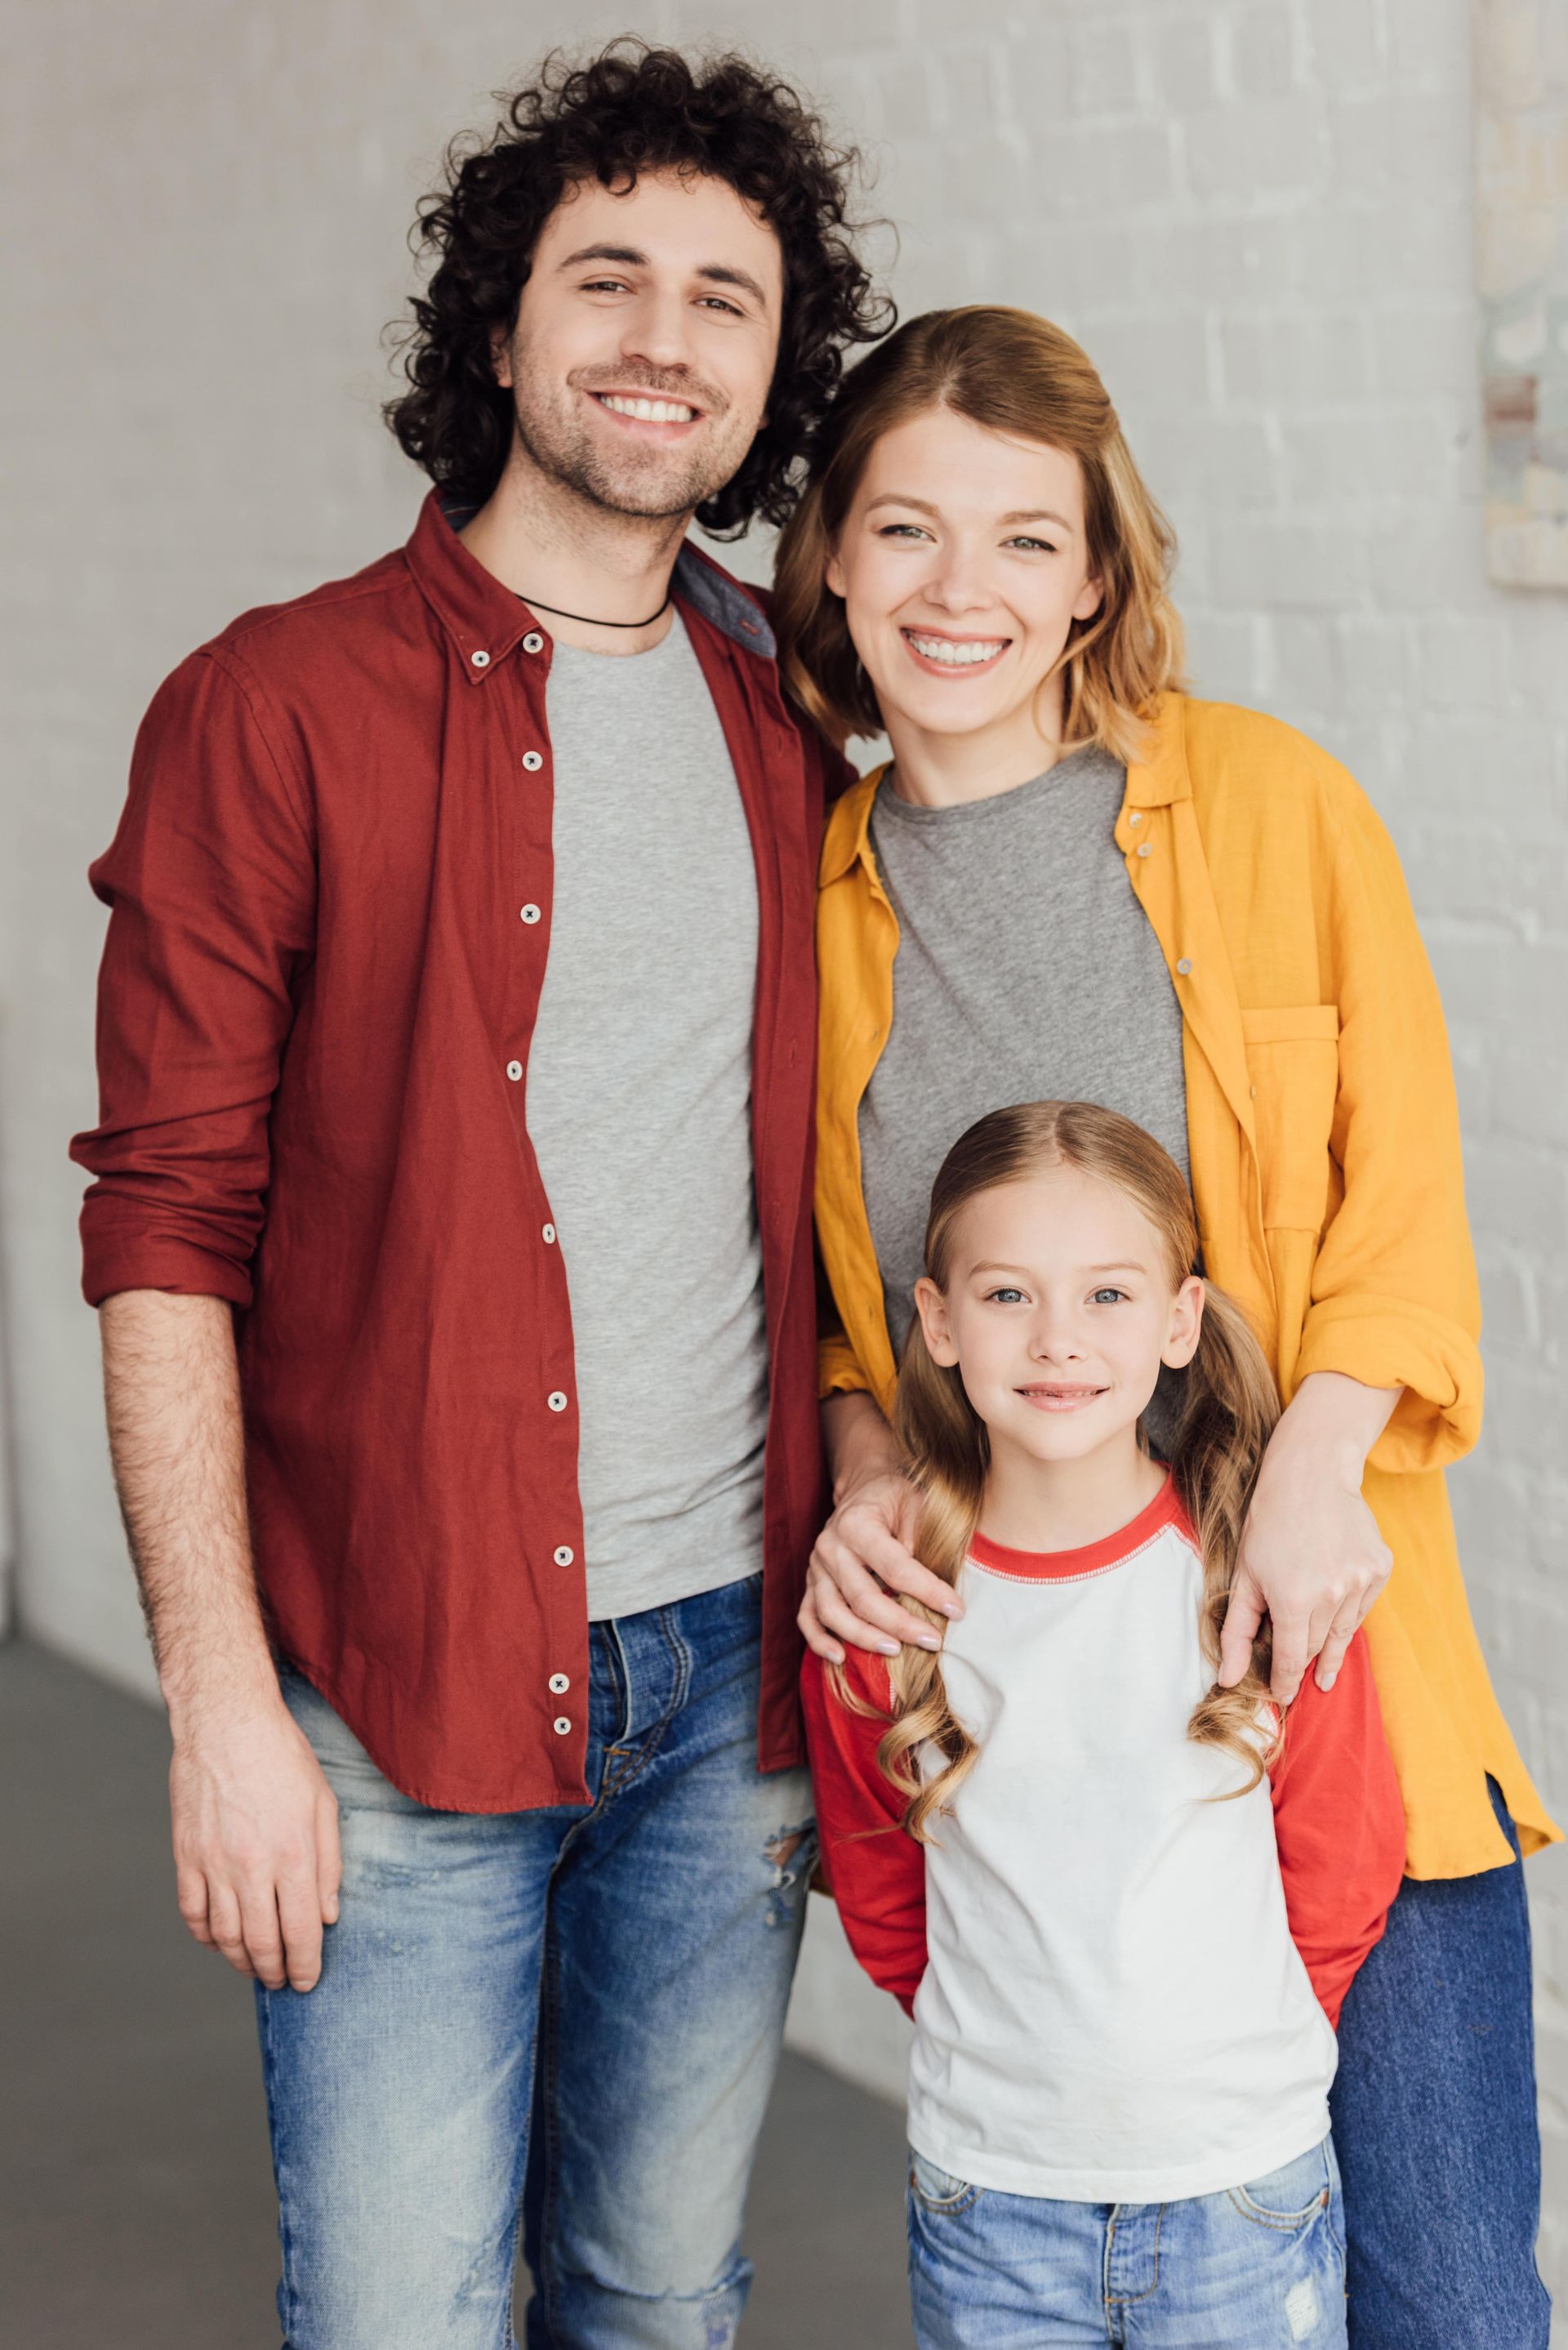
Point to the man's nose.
(657, 331)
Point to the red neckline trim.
(1091, 1558)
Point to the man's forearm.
(176, 1439)
(860, 1444)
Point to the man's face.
(645, 342)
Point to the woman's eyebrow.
(923, 505)
(1039, 514)
(896, 498)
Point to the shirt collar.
(484, 617)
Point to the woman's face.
(962, 564)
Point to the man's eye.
(605, 286)
(717, 302)
(1005, 1298)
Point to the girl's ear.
(1186, 1324)
(932, 1309)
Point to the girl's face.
(962, 564)
(1058, 1313)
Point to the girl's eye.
(1107, 1297)
(1005, 1298)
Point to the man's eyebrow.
(715, 273)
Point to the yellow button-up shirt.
(1324, 1138)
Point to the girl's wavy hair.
(1014, 373)
(632, 108)
(1228, 1411)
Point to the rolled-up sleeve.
(211, 886)
(1395, 1298)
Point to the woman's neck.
(951, 770)
(1044, 1505)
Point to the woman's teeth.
(648, 412)
(955, 656)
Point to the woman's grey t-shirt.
(1027, 971)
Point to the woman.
(978, 569)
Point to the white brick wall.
(1257, 215)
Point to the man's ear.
(501, 357)
(933, 1308)
(1186, 1324)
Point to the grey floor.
(135, 2196)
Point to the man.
(456, 1045)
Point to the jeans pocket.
(936, 2190)
(1290, 2197)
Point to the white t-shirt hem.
(1219, 2168)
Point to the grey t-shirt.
(1027, 971)
(639, 1106)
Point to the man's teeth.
(649, 411)
(942, 649)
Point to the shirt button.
(533, 642)
(530, 913)
(559, 1684)
(1144, 847)
(561, 1726)
(557, 1400)
(533, 761)
(514, 1070)
(564, 1553)
(1137, 816)
(480, 661)
(549, 1236)
(1184, 966)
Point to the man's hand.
(863, 1554)
(256, 1858)
(1312, 1559)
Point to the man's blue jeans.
(588, 1999)
(1434, 2117)
(1258, 2267)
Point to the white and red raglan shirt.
(1123, 1991)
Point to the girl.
(1076, 879)
(1060, 1854)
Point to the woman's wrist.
(861, 1447)
(1330, 1426)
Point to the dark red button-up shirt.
(315, 1010)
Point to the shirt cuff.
(837, 1370)
(1386, 1342)
(117, 1260)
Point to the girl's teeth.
(649, 411)
(938, 648)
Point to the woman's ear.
(1091, 595)
(832, 576)
(932, 1309)
(1186, 1324)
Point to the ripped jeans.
(568, 2017)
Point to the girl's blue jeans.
(573, 2015)
(1260, 2267)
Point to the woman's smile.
(941, 654)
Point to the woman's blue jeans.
(587, 2002)
(1434, 2118)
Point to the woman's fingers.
(1243, 1614)
(853, 1604)
(1338, 1638)
(863, 1534)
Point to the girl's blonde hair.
(1228, 1411)
(1012, 372)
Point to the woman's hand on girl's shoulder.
(861, 1560)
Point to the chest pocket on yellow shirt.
(1292, 1060)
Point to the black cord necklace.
(556, 613)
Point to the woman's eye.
(902, 530)
(1032, 546)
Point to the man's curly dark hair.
(630, 109)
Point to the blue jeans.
(587, 2001)
(1258, 2267)
(1434, 2117)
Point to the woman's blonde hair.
(1012, 372)
(1228, 1411)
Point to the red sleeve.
(877, 1874)
(1339, 1822)
(210, 883)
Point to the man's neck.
(551, 545)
